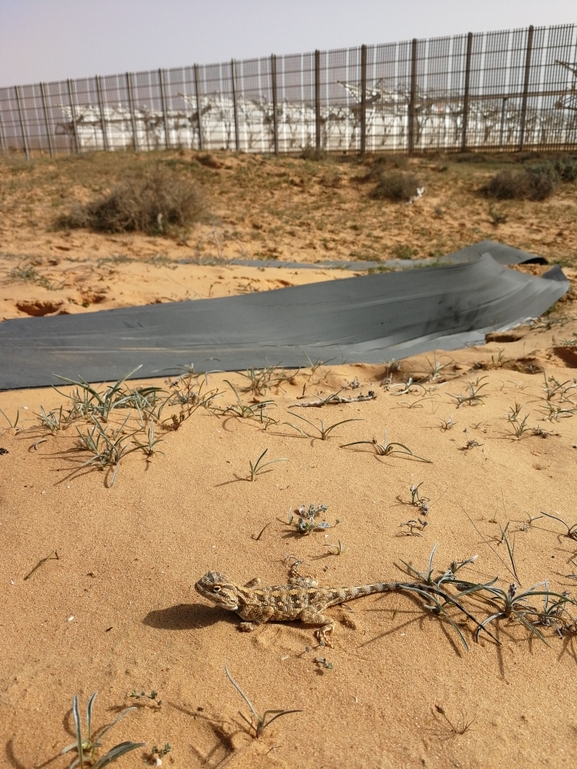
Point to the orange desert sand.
(111, 606)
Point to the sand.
(113, 607)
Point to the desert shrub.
(396, 186)
(376, 166)
(208, 160)
(535, 182)
(312, 153)
(152, 202)
(566, 168)
(470, 157)
(402, 251)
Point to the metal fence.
(492, 91)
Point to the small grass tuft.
(257, 467)
(472, 398)
(384, 449)
(87, 748)
(259, 722)
(323, 432)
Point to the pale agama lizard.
(301, 599)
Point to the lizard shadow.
(185, 616)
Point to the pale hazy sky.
(45, 40)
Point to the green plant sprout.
(107, 448)
(406, 387)
(258, 723)
(416, 499)
(259, 380)
(53, 420)
(335, 549)
(438, 599)
(555, 389)
(414, 527)
(472, 398)
(257, 467)
(153, 696)
(323, 431)
(29, 274)
(246, 411)
(108, 440)
(510, 549)
(519, 426)
(571, 531)
(89, 401)
(306, 521)
(11, 423)
(384, 449)
(512, 604)
(157, 753)
(87, 748)
(454, 728)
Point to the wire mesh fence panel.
(558, 101)
(341, 100)
(495, 91)
(389, 90)
(296, 102)
(12, 138)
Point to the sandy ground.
(98, 577)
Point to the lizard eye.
(216, 589)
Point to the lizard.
(301, 599)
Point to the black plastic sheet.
(370, 319)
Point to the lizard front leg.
(312, 617)
(254, 617)
(298, 580)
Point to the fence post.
(2, 139)
(46, 122)
(130, 91)
(73, 113)
(198, 107)
(412, 99)
(234, 104)
(103, 123)
(503, 114)
(318, 134)
(466, 94)
(22, 125)
(164, 110)
(526, 87)
(274, 103)
(363, 98)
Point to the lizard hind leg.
(327, 625)
(297, 580)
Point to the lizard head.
(219, 589)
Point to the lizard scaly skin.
(301, 599)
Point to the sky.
(46, 40)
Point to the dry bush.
(208, 160)
(536, 182)
(312, 153)
(395, 185)
(376, 166)
(566, 168)
(471, 157)
(152, 202)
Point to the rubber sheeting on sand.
(499, 251)
(369, 319)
